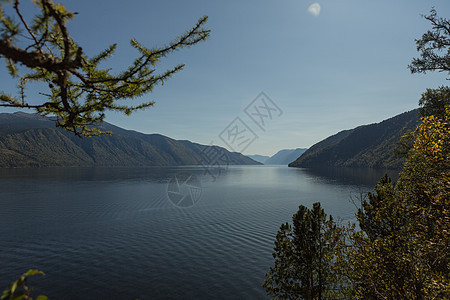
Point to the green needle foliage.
(434, 101)
(79, 90)
(379, 216)
(303, 256)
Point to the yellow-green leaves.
(19, 290)
(433, 135)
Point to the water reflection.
(85, 226)
(350, 176)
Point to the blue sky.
(341, 68)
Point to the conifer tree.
(79, 90)
(303, 255)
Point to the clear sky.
(328, 66)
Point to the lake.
(158, 232)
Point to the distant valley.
(285, 157)
(259, 158)
(282, 157)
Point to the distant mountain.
(31, 140)
(370, 146)
(259, 158)
(284, 157)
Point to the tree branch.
(16, 7)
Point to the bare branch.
(16, 7)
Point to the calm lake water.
(115, 233)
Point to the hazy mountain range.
(31, 140)
(285, 157)
(282, 157)
(370, 146)
(259, 158)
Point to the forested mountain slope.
(30, 140)
(370, 146)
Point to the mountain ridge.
(259, 158)
(285, 156)
(29, 140)
(371, 146)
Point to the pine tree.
(303, 256)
